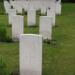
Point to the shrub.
(2, 33)
(8, 39)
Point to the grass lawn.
(59, 56)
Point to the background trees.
(68, 0)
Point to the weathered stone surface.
(46, 27)
(17, 26)
(11, 13)
(51, 12)
(30, 54)
(31, 17)
(58, 7)
(6, 6)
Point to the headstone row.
(31, 44)
(36, 4)
(45, 27)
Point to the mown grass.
(2, 10)
(59, 55)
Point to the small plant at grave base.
(51, 42)
(38, 12)
(3, 67)
(25, 12)
(43, 14)
(15, 72)
(47, 41)
(9, 25)
(33, 26)
(19, 14)
(8, 39)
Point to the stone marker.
(17, 27)
(46, 27)
(10, 15)
(26, 5)
(6, 6)
(31, 17)
(37, 4)
(58, 7)
(43, 7)
(12, 3)
(51, 12)
(43, 10)
(30, 54)
(18, 6)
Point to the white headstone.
(30, 54)
(37, 4)
(17, 26)
(43, 10)
(12, 3)
(46, 27)
(31, 5)
(31, 17)
(43, 7)
(58, 7)
(18, 6)
(7, 6)
(26, 5)
(10, 15)
(51, 13)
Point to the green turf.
(2, 8)
(59, 56)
